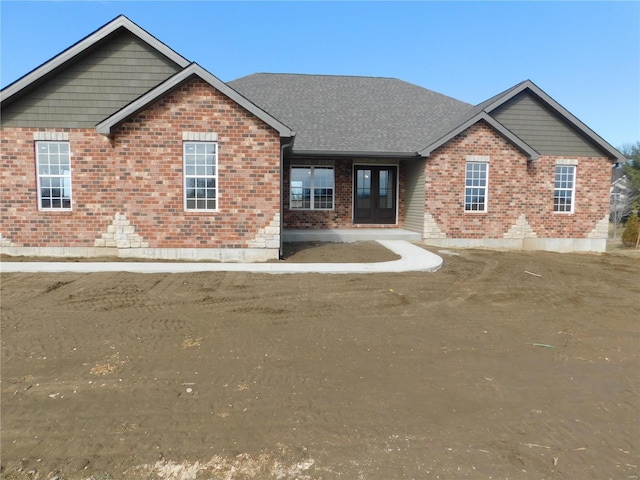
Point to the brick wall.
(516, 187)
(92, 178)
(339, 217)
(134, 182)
(342, 215)
(138, 174)
(520, 194)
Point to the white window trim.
(477, 159)
(39, 175)
(573, 164)
(312, 187)
(214, 176)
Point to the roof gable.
(332, 114)
(106, 126)
(97, 83)
(77, 50)
(555, 131)
(482, 116)
(382, 116)
(575, 137)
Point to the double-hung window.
(476, 180)
(565, 189)
(53, 161)
(200, 176)
(312, 188)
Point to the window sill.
(312, 209)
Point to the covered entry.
(375, 194)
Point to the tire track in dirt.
(377, 377)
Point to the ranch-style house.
(121, 146)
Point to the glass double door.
(375, 194)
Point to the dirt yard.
(478, 371)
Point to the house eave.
(353, 154)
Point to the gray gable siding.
(107, 78)
(538, 125)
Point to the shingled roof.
(344, 114)
(331, 115)
(372, 116)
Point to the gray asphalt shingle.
(354, 114)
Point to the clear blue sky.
(586, 55)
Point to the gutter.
(354, 154)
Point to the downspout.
(282, 148)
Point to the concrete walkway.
(413, 259)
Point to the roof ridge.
(319, 75)
(353, 77)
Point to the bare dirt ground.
(478, 371)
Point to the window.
(54, 175)
(475, 193)
(312, 188)
(200, 176)
(564, 190)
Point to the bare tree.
(632, 169)
(622, 199)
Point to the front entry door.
(374, 194)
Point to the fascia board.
(140, 103)
(508, 95)
(512, 137)
(352, 153)
(76, 49)
(505, 132)
(572, 119)
(105, 127)
(154, 42)
(244, 102)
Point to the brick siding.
(516, 186)
(520, 193)
(139, 174)
(342, 215)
